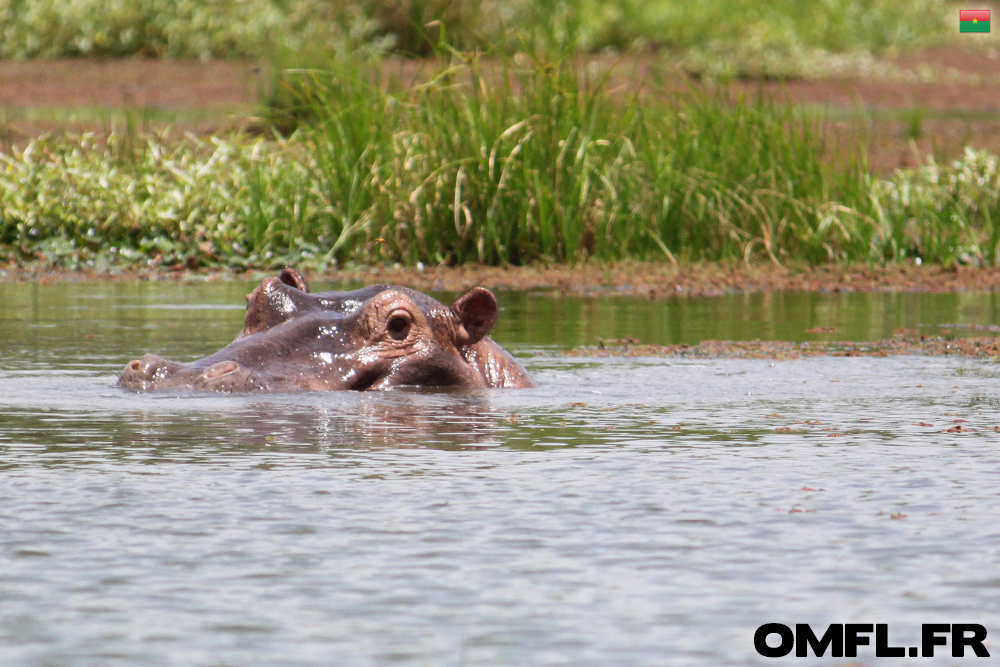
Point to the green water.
(567, 322)
(92, 323)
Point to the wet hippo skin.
(377, 337)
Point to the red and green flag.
(974, 20)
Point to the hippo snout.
(146, 373)
(155, 372)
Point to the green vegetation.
(523, 161)
(770, 37)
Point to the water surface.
(624, 512)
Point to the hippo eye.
(398, 326)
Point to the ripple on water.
(626, 511)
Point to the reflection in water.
(624, 512)
(190, 427)
(102, 325)
(788, 316)
(398, 419)
(447, 420)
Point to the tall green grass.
(515, 161)
(770, 37)
(533, 159)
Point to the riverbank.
(583, 184)
(496, 174)
(641, 279)
(903, 344)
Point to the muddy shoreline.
(980, 347)
(636, 279)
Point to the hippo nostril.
(221, 368)
(146, 373)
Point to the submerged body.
(376, 337)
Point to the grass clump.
(535, 160)
(755, 37)
(532, 159)
(499, 162)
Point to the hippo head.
(377, 337)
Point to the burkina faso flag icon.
(974, 20)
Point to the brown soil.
(216, 95)
(962, 105)
(129, 82)
(622, 279)
(965, 80)
(963, 101)
(665, 281)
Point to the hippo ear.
(268, 305)
(477, 311)
(291, 277)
